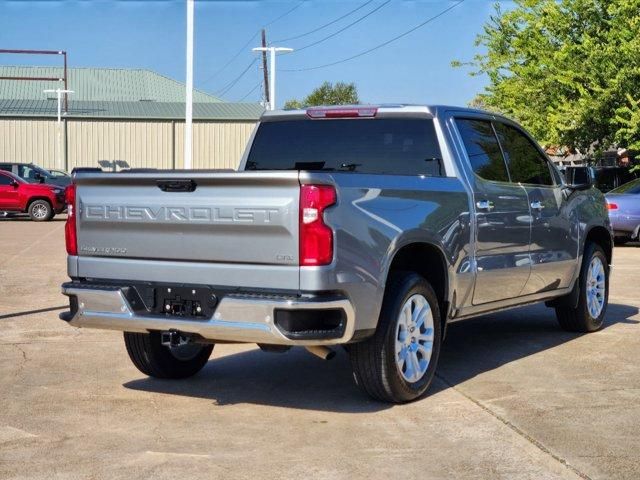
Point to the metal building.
(117, 118)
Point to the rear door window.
(526, 163)
(392, 146)
(483, 149)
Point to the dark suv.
(608, 178)
(34, 174)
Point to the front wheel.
(593, 298)
(398, 363)
(153, 358)
(40, 211)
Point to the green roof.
(132, 110)
(97, 84)
(112, 93)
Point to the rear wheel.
(40, 211)
(593, 297)
(153, 358)
(398, 363)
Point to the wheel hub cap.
(414, 338)
(595, 287)
(39, 211)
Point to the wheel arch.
(33, 199)
(602, 237)
(428, 260)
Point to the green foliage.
(328, 94)
(568, 70)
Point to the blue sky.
(148, 34)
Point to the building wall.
(28, 140)
(137, 144)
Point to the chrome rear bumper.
(237, 318)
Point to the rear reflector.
(70, 232)
(316, 238)
(612, 206)
(353, 112)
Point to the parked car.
(59, 173)
(41, 201)
(608, 178)
(35, 174)
(624, 211)
(368, 227)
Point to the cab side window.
(483, 149)
(526, 163)
(4, 180)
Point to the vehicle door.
(28, 173)
(554, 226)
(502, 216)
(9, 199)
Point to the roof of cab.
(387, 108)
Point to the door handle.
(485, 205)
(177, 185)
(537, 205)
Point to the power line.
(384, 44)
(250, 91)
(344, 28)
(284, 14)
(233, 82)
(244, 47)
(325, 25)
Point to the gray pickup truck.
(367, 227)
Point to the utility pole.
(272, 72)
(59, 92)
(265, 72)
(188, 117)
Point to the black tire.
(40, 211)
(373, 361)
(579, 319)
(156, 360)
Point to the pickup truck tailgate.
(205, 217)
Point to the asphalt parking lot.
(514, 397)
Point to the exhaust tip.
(325, 353)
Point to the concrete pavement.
(515, 397)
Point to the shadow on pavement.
(26, 218)
(479, 345)
(296, 379)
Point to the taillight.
(70, 232)
(612, 206)
(316, 238)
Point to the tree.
(568, 70)
(328, 94)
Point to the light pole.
(59, 92)
(188, 116)
(272, 70)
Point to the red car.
(40, 201)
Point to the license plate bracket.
(185, 302)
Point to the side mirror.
(14, 184)
(578, 178)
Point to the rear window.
(632, 187)
(385, 145)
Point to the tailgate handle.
(177, 185)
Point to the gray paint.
(509, 257)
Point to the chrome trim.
(236, 319)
